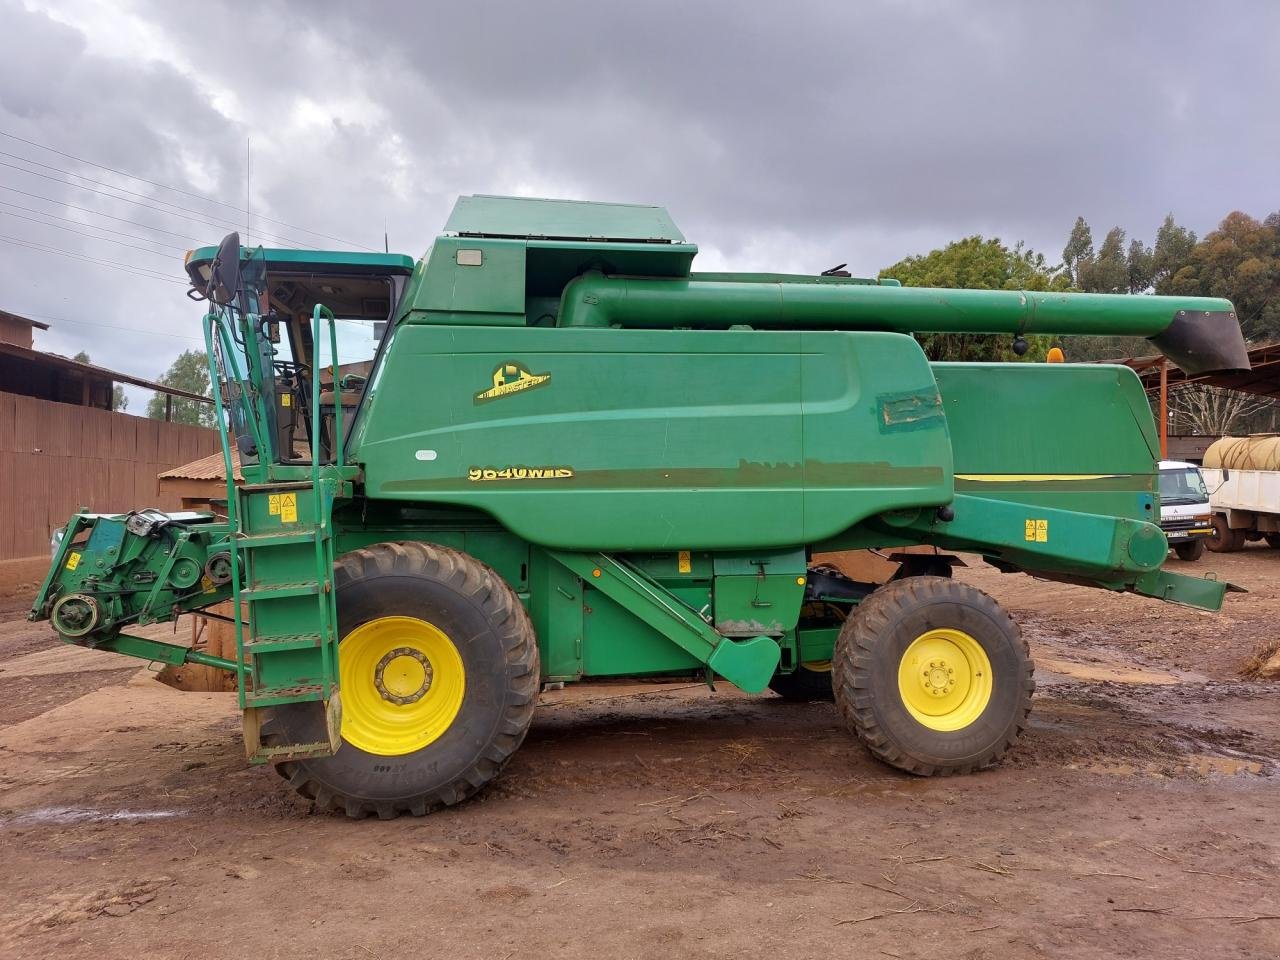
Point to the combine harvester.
(575, 458)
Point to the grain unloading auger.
(574, 458)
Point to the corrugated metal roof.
(206, 468)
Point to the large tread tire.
(1224, 539)
(1190, 551)
(483, 616)
(865, 676)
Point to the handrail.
(325, 597)
(224, 435)
(323, 312)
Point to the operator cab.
(283, 287)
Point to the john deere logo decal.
(511, 377)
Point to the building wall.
(15, 330)
(56, 458)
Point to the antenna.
(386, 244)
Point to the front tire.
(439, 674)
(1224, 539)
(933, 676)
(1191, 550)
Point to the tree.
(119, 402)
(1240, 261)
(1078, 251)
(981, 264)
(1108, 272)
(1213, 411)
(189, 372)
(1140, 265)
(1172, 251)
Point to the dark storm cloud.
(778, 135)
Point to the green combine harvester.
(575, 458)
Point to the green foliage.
(980, 264)
(1172, 251)
(1079, 249)
(189, 372)
(1141, 266)
(1240, 261)
(1108, 272)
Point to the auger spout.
(1199, 334)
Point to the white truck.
(1184, 509)
(1243, 477)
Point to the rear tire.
(1273, 540)
(1191, 550)
(433, 624)
(1224, 539)
(933, 676)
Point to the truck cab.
(1185, 516)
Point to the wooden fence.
(57, 457)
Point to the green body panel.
(649, 455)
(625, 442)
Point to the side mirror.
(224, 274)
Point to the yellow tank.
(1260, 451)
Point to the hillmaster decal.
(511, 377)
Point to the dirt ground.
(1137, 818)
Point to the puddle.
(1201, 764)
(61, 815)
(1103, 672)
(1223, 766)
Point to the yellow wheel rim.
(817, 666)
(945, 679)
(402, 684)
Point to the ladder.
(282, 559)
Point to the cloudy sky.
(782, 136)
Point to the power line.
(182, 212)
(112, 326)
(81, 233)
(128, 268)
(166, 186)
(92, 226)
(96, 213)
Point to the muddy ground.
(1137, 819)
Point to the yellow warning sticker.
(288, 508)
(684, 562)
(286, 400)
(273, 504)
(73, 561)
(1037, 531)
(206, 584)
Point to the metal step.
(286, 538)
(275, 591)
(276, 644)
(274, 696)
